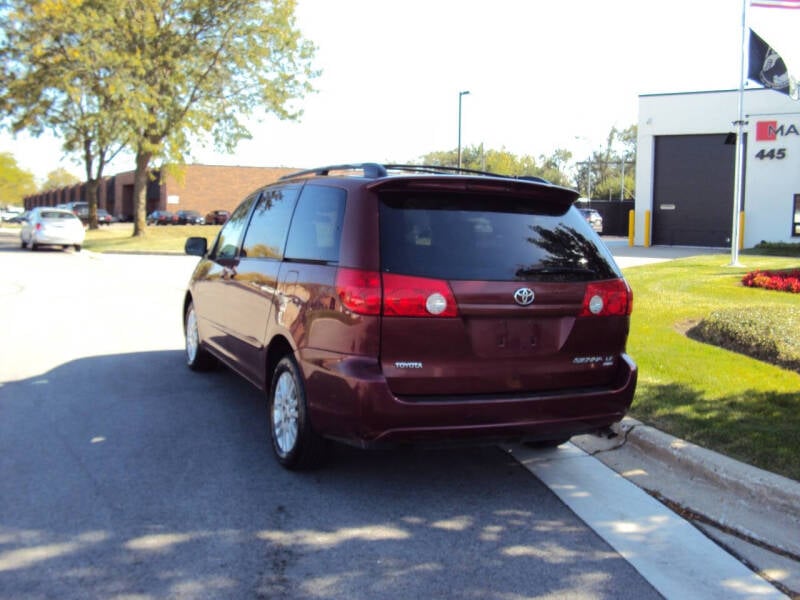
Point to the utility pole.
(460, 95)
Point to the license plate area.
(493, 338)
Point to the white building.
(685, 168)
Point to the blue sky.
(541, 75)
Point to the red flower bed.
(782, 281)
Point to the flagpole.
(738, 184)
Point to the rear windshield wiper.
(555, 271)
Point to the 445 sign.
(771, 154)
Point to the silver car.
(45, 226)
(593, 218)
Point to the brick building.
(197, 187)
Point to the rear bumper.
(349, 400)
(56, 239)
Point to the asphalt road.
(125, 475)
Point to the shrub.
(775, 249)
(769, 334)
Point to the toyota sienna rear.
(378, 304)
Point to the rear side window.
(269, 224)
(316, 230)
(489, 238)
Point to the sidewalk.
(630, 256)
(752, 513)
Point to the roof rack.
(375, 170)
(371, 170)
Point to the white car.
(10, 212)
(45, 226)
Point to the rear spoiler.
(536, 191)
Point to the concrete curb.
(739, 478)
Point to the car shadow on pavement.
(130, 475)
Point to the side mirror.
(196, 246)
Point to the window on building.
(796, 217)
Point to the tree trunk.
(92, 185)
(140, 181)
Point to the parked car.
(385, 305)
(104, 218)
(217, 217)
(162, 217)
(81, 210)
(190, 217)
(593, 218)
(19, 218)
(10, 213)
(46, 226)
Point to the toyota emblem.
(524, 296)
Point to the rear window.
(488, 238)
(54, 214)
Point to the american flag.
(776, 3)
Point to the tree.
(59, 74)
(148, 75)
(15, 183)
(610, 172)
(59, 178)
(200, 67)
(552, 168)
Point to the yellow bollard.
(741, 230)
(631, 227)
(647, 229)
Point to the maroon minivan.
(403, 304)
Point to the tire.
(77, 247)
(23, 243)
(197, 357)
(34, 246)
(296, 445)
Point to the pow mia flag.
(767, 68)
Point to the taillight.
(359, 291)
(38, 227)
(366, 293)
(406, 296)
(607, 298)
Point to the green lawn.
(160, 239)
(742, 407)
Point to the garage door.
(693, 190)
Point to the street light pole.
(460, 95)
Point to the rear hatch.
(494, 287)
(60, 223)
